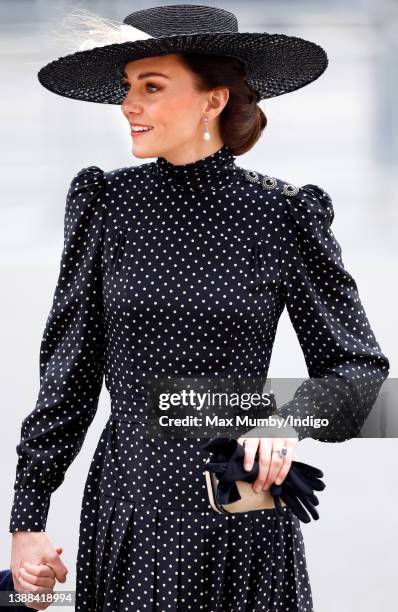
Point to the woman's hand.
(35, 564)
(272, 467)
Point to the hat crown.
(182, 19)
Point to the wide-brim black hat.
(275, 63)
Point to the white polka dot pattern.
(170, 550)
(184, 271)
(71, 359)
(344, 360)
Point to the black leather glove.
(297, 489)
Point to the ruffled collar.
(209, 171)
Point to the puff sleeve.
(71, 359)
(346, 364)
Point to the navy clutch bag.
(228, 474)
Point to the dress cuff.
(29, 510)
(297, 409)
(321, 421)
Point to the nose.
(130, 113)
(130, 105)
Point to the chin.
(143, 154)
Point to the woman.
(182, 267)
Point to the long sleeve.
(71, 359)
(343, 358)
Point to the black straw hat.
(275, 63)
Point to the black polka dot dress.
(175, 271)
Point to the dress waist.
(143, 406)
(132, 409)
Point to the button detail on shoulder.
(290, 189)
(251, 175)
(268, 182)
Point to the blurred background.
(340, 132)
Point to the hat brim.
(276, 63)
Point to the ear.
(217, 100)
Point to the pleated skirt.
(150, 541)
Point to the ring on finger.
(282, 452)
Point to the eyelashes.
(126, 85)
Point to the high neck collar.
(202, 173)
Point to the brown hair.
(242, 121)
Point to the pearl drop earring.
(206, 134)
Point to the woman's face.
(169, 103)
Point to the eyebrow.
(143, 75)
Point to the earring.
(206, 134)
